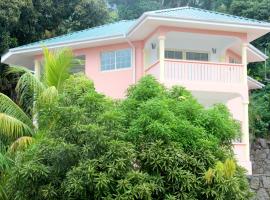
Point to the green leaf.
(8, 107)
(57, 66)
(13, 127)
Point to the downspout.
(133, 58)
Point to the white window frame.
(115, 60)
(198, 52)
(175, 50)
(184, 54)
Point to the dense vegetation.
(155, 144)
(25, 21)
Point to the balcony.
(178, 71)
(200, 75)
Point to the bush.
(158, 143)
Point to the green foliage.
(25, 21)
(158, 143)
(259, 114)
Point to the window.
(233, 60)
(79, 66)
(112, 60)
(170, 54)
(197, 56)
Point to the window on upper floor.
(113, 60)
(79, 66)
(197, 56)
(173, 54)
(233, 60)
(188, 55)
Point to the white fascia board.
(5, 56)
(257, 52)
(57, 45)
(257, 83)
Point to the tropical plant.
(158, 143)
(14, 121)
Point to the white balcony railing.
(198, 71)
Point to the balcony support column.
(37, 69)
(37, 74)
(161, 40)
(244, 62)
(245, 130)
(245, 103)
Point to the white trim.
(57, 45)
(257, 52)
(133, 58)
(257, 83)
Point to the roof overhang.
(256, 54)
(254, 84)
(24, 56)
(153, 21)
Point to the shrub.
(158, 143)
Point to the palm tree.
(17, 123)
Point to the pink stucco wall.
(231, 54)
(113, 83)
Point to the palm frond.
(16, 70)
(28, 89)
(57, 66)
(12, 109)
(3, 195)
(49, 95)
(20, 144)
(12, 127)
(5, 162)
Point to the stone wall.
(260, 179)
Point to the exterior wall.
(113, 83)
(235, 107)
(231, 54)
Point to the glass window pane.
(170, 54)
(123, 58)
(107, 60)
(79, 66)
(197, 56)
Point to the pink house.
(205, 51)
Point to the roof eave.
(257, 83)
(149, 15)
(257, 52)
(38, 47)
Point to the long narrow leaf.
(20, 144)
(57, 66)
(28, 89)
(13, 127)
(12, 109)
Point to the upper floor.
(202, 50)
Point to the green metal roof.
(122, 27)
(112, 29)
(205, 15)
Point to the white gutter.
(257, 83)
(133, 58)
(257, 52)
(38, 47)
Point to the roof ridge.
(71, 33)
(168, 9)
(229, 15)
(209, 11)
